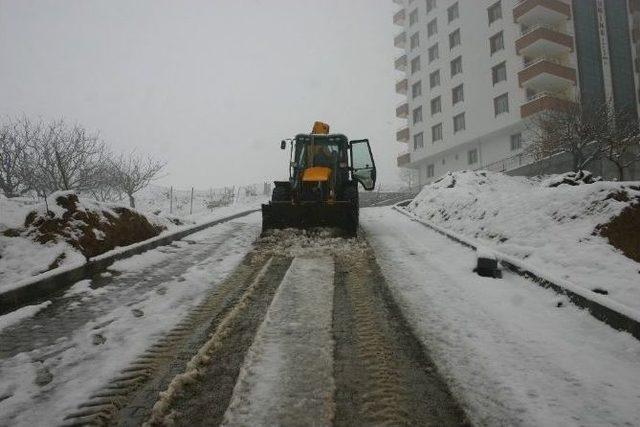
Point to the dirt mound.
(573, 179)
(622, 231)
(91, 231)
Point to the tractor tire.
(281, 194)
(351, 195)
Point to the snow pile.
(551, 223)
(296, 242)
(34, 240)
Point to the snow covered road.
(290, 363)
(295, 327)
(54, 359)
(513, 353)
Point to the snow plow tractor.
(322, 190)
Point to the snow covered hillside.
(552, 225)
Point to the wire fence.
(182, 202)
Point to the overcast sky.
(211, 86)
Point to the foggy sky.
(210, 86)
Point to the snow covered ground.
(60, 367)
(21, 257)
(551, 227)
(287, 376)
(514, 353)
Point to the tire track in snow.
(383, 374)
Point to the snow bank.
(34, 240)
(551, 224)
(16, 316)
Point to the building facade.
(474, 71)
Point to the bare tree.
(409, 177)
(106, 182)
(577, 129)
(621, 141)
(15, 139)
(67, 158)
(135, 172)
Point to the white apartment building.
(475, 70)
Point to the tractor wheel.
(351, 195)
(281, 194)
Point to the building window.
(516, 141)
(434, 79)
(416, 89)
(472, 156)
(418, 141)
(454, 39)
(453, 12)
(431, 4)
(444, 161)
(496, 42)
(415, 65)
(432, 27)
(414, 41)
(458, 123)
(457, 94)
(433, 53)
(495, 12)
(430, 171)
(501, 104)
(417, 115)
(499, 73)
(413, 17)
(436, 105)
(436, 133)
(456, 66)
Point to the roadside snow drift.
(567, 225)
(70, 231)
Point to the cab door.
(363, 167)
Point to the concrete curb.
(38, 288)
(616, 315)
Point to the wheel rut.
(383, 374)
(128, 399)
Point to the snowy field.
(515, 353)
(553, 228)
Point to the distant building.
(475, 70)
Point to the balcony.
(403, 134)
(400, 17)
(404, 159)
(544, 102)
(402, 110)
(402, 86)
(401, 63)
(544, 41)
(545, 75)
(530, 12)
(400, 41)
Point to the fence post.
(171, 200)
(191, 207)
